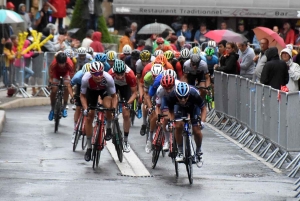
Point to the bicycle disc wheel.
(119, 141)
(189, 161)
(57, 112)
(155, 156)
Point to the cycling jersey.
(161, 93)
(155, 85)
(55, 72)
(77, 78)
(128, 79)
(210, 64)
(177, 67)
(148, 68)
(148, 80)
(107, 83)
(188, 69)
(106, 65)
(80, 63)
(140, 67)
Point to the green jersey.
(148, 80)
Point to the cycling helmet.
(86, 68)
(61, 58)
(209, 51)
(145, 55)
(96, 67)
(81, 51)
(169, 55)
(111, 55)
(156, 69)
(158, 52)
(170, 72)
(119, 66)
(185, 53)
(135, 54)
(160, 40)
(101, 57)
(211, 43)
(90, 51)
(195, 50)
(182, 90)
(69, 53)
(167, 81)
(127, 49)
(195, 59)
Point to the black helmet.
(61, 58)
(135, 54)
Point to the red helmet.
(167, 81)
(160, 40)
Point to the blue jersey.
(210, 63)
(106, 65)
(155, 85)
(77, 78)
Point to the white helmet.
(158, 52)
(156, 69)
(81, 51)
(127, 49)
(170, 72)
(211, 43)
(185, 53)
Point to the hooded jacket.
(229, 63)
(294, 72)
(9, 56)
(123, 41)
(96, 44)
(275, 72)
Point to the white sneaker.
(179, 157)
(73, 107)
(67, 107)
(73, 138)
(148, 147)
(166, 146)
(126, 147)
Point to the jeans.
(92, 22)
(60, 22)
(6, 71)
(28, 72)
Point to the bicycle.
(147, 132)
(80, 131)
(208, 97)
(173, 151)
(133, 110)
(58, 103)
(98, 141)
(158, 141)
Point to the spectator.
(42, 17)
(261, 59)
(166, 34)
(141, 45)
(52, 31)
(185, 32)
(10, 6)
(246, 55)
(9, 59)
(192, 30)
(150, 41)
(180, 43)
(242, 31)
(224, 26)
(88, 39)
(229, 63)
(133, 28)
(222, 49)
(275, 72)
(161, 45)
(294, 69)
(111, 25)
(173, 41)
(288, 34)
(61, 13)
(25, 16)
(125, 39)
(297, 57)
(255, 43)
(297, 41)
(276, 30)
(199, 35)
(91, 11)
(4, 35)
(49, 45)
(96, 44)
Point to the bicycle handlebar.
(206, 88)
(100, 108)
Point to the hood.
(97, 36)
(10, 5)
(26, 43)
(287, 50)
(20, 6)
(272, 53)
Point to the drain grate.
(249, 175)
(123, 175)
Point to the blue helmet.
(101, 57)
(182, 90)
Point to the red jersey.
(55, 71)
(128, 79)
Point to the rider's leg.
(178, 127)
(153, 119)
(66, 91)
(106, 101)
(196, 128)
(53, 96)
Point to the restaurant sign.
(206, 11)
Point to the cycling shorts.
(163, 106)
(194, 112)
(66, 78)
(200, 77)
(124, 92)
(92, 96)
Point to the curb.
(25, 102)
(2, 120)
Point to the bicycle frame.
(83, 122)
(187, 137)
(100, 122)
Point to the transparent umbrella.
(9, 17)
(154, 28)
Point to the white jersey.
(107, 83)
(161, 92)
(188, 69)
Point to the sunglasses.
(97, 74)
(159, 43)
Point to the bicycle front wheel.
(189, 160)
(132, 116)
(174, 153)
(57, 113)
(118, 141)
(95, 154)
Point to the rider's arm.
(111, 89)
(207, 80)
(114, 100)
(203, 114)
(133, 94)
(179, 70)
(83, 89)
(147, 98)
(83, 101)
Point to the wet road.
(37, 164)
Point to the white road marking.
(131, 165)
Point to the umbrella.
(154, 28)
(9, 17)
(73, 31)
(274, 39)
(230, 36)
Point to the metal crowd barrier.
(264, 119)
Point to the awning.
(216, 11)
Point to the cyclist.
(111, 57)
(174, 62)
(145, 58)
(157, 82)
(161, 45)
(71, 54)
(184, 56)
(96, 83)
(76, 80)
(148, 81)
(131, 60)
(195, 72)
(90, 51)
(126, 51)
(211, 60)
(197, 50)
(101, 57)
(125, 83)
(82, 57)
(61, 66)
(212, 44)
(157, 52)
(186, 100)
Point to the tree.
(78, 22)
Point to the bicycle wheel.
(77, 133)
(155, 156)
(189, 160)
(57, 112)
(95, 147)
(132, 116)
(147, 129)
(174, 153)
(83, 141)
(157, 148)
(118, 141)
